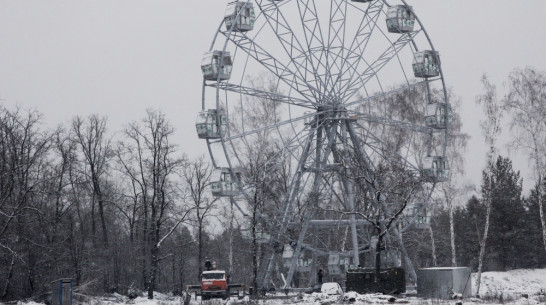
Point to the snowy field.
(497, 288)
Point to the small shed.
(444, 282)
(61, 292)
(362, 280)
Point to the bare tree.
(526, 101)
(23, 152)
(491, 128)
(197, 177)
(97, 152)
(266, 184)
(151, 161)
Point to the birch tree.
(453, 189)
(491, 129)
(526, 102)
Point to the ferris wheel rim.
(220, 86)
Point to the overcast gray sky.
(118, 58)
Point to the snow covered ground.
(512, 284)
(497, 288)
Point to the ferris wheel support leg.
(286, 210)
(234, 203)
(396, 233)
(361, 156)
(320, 162)
(297, 253)
(350, 197)
(313, 275)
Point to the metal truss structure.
(315, 121)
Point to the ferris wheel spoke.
(359, 43)
(390, 122)
(260, 55)
(290, 43)
(265, 128)
(288, 152)
(336, 41)
(390, 155)
(355, 83)
(295, 183)
(379, 147)
(260, 94)
(382, 95)
(312, 32)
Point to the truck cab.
(214, 284)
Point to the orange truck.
(215, 284)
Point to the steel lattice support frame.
(320, 61)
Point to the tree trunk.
(8, 279)
(145, 238)
(231, 241)
(93, 223)
(409, 265)
(433, 246)
(153, 271)
(377, 277)
(254, 254)
(200, 247)
(452, 234)
(540, 195)
(482, 245)
(154, 255)
(103, 222)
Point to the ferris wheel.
(318, 114)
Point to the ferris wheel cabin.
(302, 264)
(211, 124)
(223, 183)
(438, 115)
(421, 214)
(426, 64)
(216, 65)
(435, 169)
(239, 16)
(338, 263)
(400, 19)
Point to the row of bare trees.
(113, 213)
(130, 211)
